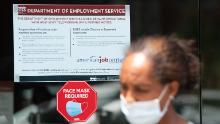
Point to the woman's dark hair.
(174, 59)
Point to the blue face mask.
(73, 108)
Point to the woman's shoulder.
(182, 120)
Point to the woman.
(153, 71)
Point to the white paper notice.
(69, 42)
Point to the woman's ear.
(174, 88)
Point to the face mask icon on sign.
(74, 108)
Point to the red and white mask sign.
(76, 101)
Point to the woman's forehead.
(136, 67)
(137, 61)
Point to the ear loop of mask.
(171, 97)
(163, 93)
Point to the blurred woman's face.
(136, 79)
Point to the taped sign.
(76, 101)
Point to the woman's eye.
(142, 89)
